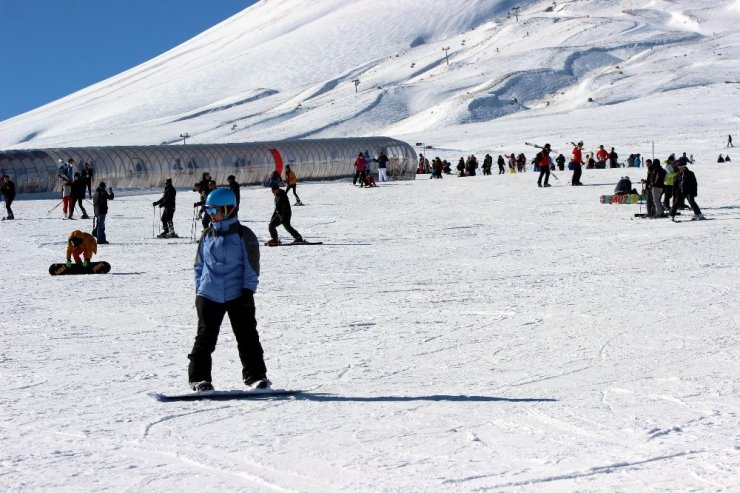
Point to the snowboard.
(93, 268)
(295, 244)
(224, 395)
(621, 199)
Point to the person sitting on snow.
(624, 186)
(370, 181)
(80, 243)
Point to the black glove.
(154, 204)
(247, 297)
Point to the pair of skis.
(294, 243)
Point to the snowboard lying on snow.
(224, 395)
(631, 198)
(75, 269)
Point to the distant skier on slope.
(167, 202)
(543, 160)
(292, 181)
(7, 189)
(687, 188)
(282, 215)
(577, 162)
(226, 278)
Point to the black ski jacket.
(8, 190)
(282, 205)
(656, 176)
(168, 199)
(100, 200)
(78, 188)
(687, 183)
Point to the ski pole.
(154, 220)
(192, 225)
(52, 209)
(554, 176)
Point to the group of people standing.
(363, 177)
(75, 182)
(675, 182)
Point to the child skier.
(226, 277)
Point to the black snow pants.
(243, 323)
(577, 171)
(285, 221)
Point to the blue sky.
(51, 48)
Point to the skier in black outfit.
(234, 187)
(656, 181)
(461, 167)
(687, 187)
(561, 162)
(78, 195)
(167, 202)
(501, 165)
(88, 176)
(282, 216)
(7, 189)
(100, 206)
(613, 156)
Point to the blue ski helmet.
(221, 197)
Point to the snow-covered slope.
(452, 340)
(285, 69)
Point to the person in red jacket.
(543, 160)
(601, 156)
(360, 164)
(577, 162)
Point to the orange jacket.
(87, 248)
(290, 178)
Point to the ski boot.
(272, 242)
(258, 384)
(299, 241)
(201, 386)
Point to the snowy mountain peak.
(334, 68)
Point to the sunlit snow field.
(450, 336)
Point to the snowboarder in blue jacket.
(226, 277)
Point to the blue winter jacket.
(222, 268)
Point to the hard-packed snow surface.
(451, 336)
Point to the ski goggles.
(212, 211)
